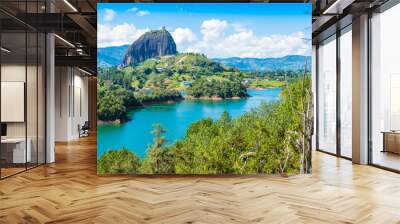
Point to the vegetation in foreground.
(272, 139)
(118, 162)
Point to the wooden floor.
(5, 172)
(69, 191)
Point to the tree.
(158, 132)
(118, 162)
(110, 107)
(159, 159)
(297, 99)
(217, 88)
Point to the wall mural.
(204, 88)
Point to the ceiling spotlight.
(5, 50)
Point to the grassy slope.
(264, 84)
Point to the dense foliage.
(217, 88)
(273, 138)
(118, 161)
(113, 100)
(109, 106)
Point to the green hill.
(187, 63)
(162, 79)
(173, 72)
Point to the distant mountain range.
(112, 56)
(287, 63)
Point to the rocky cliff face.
(151, 44)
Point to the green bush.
(118, 162)
(110, 107)
(219, 88)
(159, 159)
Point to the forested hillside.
(162, 79)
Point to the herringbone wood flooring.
(69, 191)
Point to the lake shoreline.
(135, 134)
(264, 88)
(121, 120)
(214, 98)
(205, 98)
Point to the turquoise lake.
(136, 136)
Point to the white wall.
(33, 126)
(61, 103)
(71, 102)
(10, 73)
(80, 111)
(17, 73)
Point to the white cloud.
(109, 14)
(238, 27)
(223, 39)
(134, 9)
(143, 13)
(183, 36)
(213, 29)
(118, 35)
(217, 38)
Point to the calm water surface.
(136, 134)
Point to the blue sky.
(215, 29)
